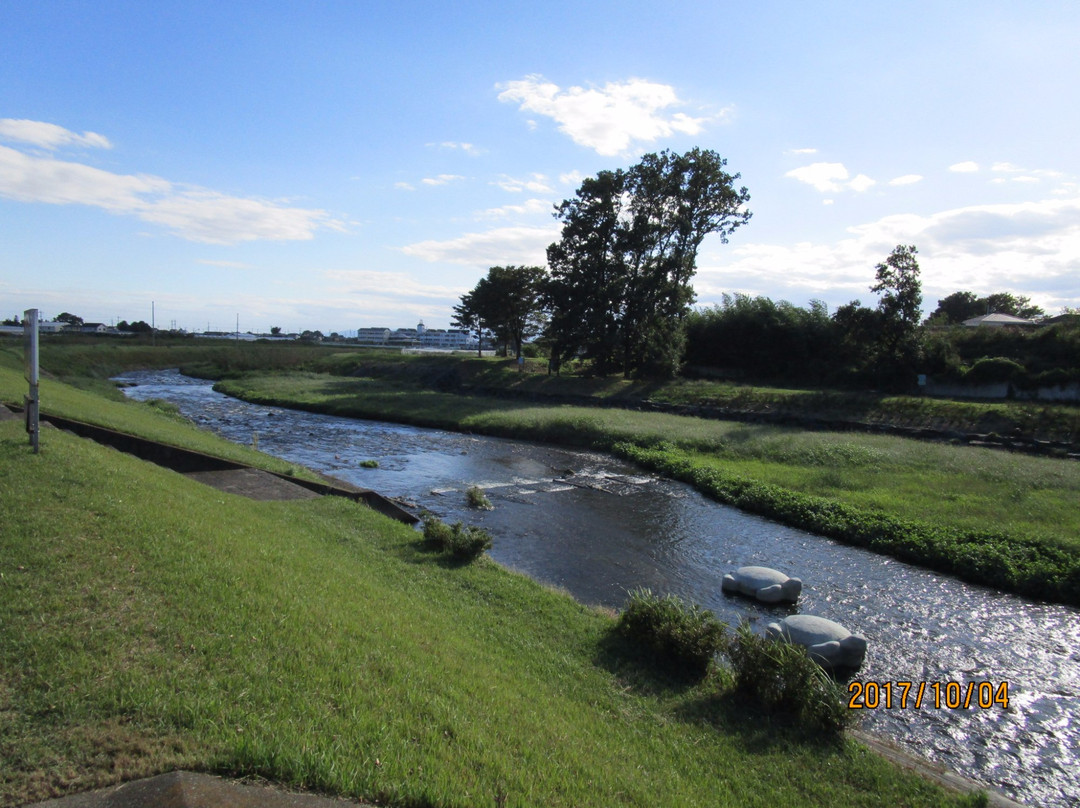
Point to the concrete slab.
(189, 790)
(253, 484)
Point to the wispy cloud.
(449, 145)
(966, 167)
(906, 179)
(506, 245)
(609, 119)
(442, 179)
(534, 183)
(193, 213)
(224, 264)
(366, 284)
(531, 207)
(48, 135)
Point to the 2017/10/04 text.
(904, 695)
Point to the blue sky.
(338, 165)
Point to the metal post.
(30, 352)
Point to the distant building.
(450, 339)
(96, 328)
(373, 336)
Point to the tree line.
(616, 295)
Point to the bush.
(684, 637)
(782, 678)
(990, 370)
(463, 542)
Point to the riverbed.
(599, 528)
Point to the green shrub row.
(1017, 563)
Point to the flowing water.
(599, 527)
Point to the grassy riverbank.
(148, 622)
(1002, 519)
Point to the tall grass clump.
(684, 637)
(782, 679)
(463, 542)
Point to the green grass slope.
(148, 622)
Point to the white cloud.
(906, 179)
(442, 179)
(506, 245)
(801, 151)
(608, 119)
(196, 214)
(826, 177)
(48, 135)
(571, 178)
(1007, 168)
(534, 183)
(861, 183)
(831, 178)
(404, 186)
(966, 167)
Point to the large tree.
(621, 271)
(507, 303)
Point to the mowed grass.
(148, 623)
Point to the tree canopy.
(621, 271)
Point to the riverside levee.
(599, 527)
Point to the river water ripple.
(599, 527)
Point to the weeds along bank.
(991, 517)
(149, 623)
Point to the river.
(599, 527)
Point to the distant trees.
(755, 336)
(507, 303)
(960, 306)
(138, 327)
(71, 319)
(621, 271)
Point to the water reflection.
(599, 528)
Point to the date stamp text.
(907, 695)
